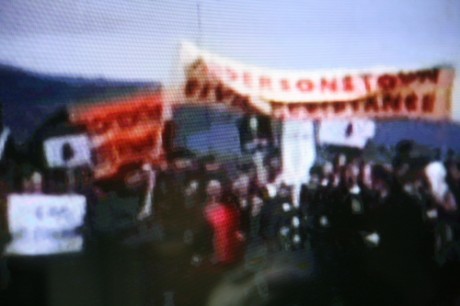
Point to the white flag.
(350, 133)
(68, 151)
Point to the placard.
(350, 133)
(67, 151)
(45, 224)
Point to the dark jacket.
(263, 131)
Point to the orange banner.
(123, 131)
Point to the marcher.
(399, 262)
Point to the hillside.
(28, 98)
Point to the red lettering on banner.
(219, 92)
(244, 103)
(232, 74)
(191, 87)
(247, 79)
(391, 102)
(222, 92)
(348, 83)
(431, 75)
(312, 107)
(236, 101)
(428, 103)
(411, 102)
(387, 81)
(324, 106)
(367, 81)
(265, 82)
(285, 85)
(231, 94)
(205, 90)
(331, 85)
(305, 85)
(338, 107)
(407, 78)
(292, 107)
(371, 104)
(354, 105)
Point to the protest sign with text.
(379, 92)
(45, 224)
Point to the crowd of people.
(378, 234)
(382, 234)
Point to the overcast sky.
(139, 39)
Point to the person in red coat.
(224, 220)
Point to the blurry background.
(54, 53)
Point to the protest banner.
(379, 92)
(45, 224)
(122, 131)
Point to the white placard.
(79, 145)
(350, 133)
(45, 224)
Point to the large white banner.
(383, 92)
(298, 151)
(350, 133)
(68, 151)
(45, 224)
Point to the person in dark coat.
(241, 196)
(255, 130)
(172, 181)
(445, 218)
(272, 217)
(351, 225)
(400, 269)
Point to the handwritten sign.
(45, 224)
